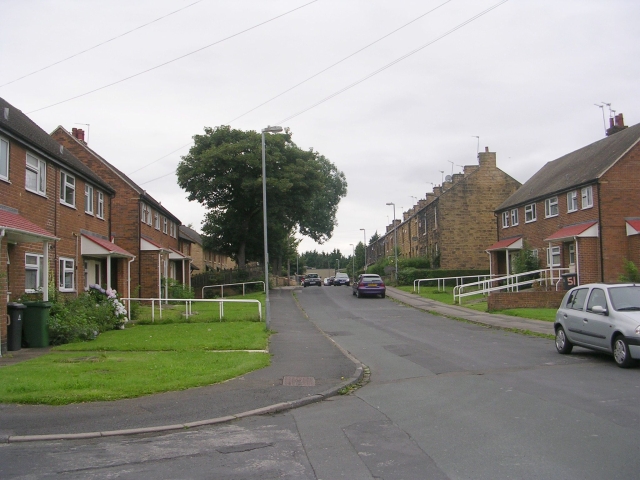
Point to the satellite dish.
(447, 178)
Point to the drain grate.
(290, 381)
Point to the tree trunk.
(242, 256)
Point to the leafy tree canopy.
(223, 172)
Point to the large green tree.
(223, 171)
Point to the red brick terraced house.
(55, 219)
(203, 258)
(580, 212)
(143, 226)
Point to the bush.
(415, 262)
(177, 289)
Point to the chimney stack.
(616, 124)
(78, 133)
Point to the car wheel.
(382, 295)
(358, 294)
(621, 352)
(353, 292)
(563, 345)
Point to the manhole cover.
(289, 381)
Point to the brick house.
(580, 212)
(143, 226)
(54, 219)
(455, 222)
(203, 259)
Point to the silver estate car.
(601, 317)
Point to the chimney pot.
(486, 149)
(619, 120)
(74, 132)
(81, 135)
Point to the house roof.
(140, 191)
(586, 229)
(17, 125)
(20, 229)
(513, 243)
(582, 167)
(190, 234)
(103, 247)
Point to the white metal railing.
(546, 276)
(442, 280)
(188, 304)
(222, 285)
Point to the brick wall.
(528, 299)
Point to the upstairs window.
(4, 159)
(156, 220)
(505, 219)
(67, 189)
(100, 206)
(514, 217)
(88, 199)
(587, 197)
(36, 175)
(145, 214)
(164, 225)
(572, 201)
(530, 213)
(551, 207)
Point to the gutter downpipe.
(129, 286)
(1, 237)
(45, 260)
(575, 239)
(600, 236)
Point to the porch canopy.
(633, 226)
(581, 230)
(17, 229)
(506, 245)
(94, 246)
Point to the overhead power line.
(100, 44)
(173, 60)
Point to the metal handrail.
(442, 280)
(222, 285)
(188, 304)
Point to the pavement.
(306, 366)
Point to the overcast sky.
(524, 77)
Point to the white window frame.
(553, 253)
(67, 186)
(514, 217)
(551, 208)
(172, 229)
(100, 206)
(37, 168)
(572, 201)
(66, 274)
(505, 219)
(38, 267)
(156, 220)
(530, 213)
(164, 225)
(572, 254)
(145, 216)
(587, 197)
(88, 199)
(4, 159)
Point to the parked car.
(312, 279)
(328, 281)
(601, 317)
(369, 284)
(341, 279)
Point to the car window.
(625, 298)
(597, 298)
(576, 298)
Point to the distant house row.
(580, 212)
(70, 219)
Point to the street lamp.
(365, 248)
(269, 129)
(395, 237)
(353, 261)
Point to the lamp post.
(365, 248)
(395, 237)
(353, 261)
(269, 129)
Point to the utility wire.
(173, 60)
(100, 44)
(311, 77)
(348, 87)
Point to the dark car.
(601, 317)
(312, 279)
(341, 279)
(369, 284)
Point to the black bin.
(569, 280)
(14, 327)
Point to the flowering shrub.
(110, 297)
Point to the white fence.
(222, 285)
(442, 280)
(188, 304)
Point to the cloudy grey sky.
(524, 77)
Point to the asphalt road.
(445, 400)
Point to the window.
(514, 217)
(577, 298)
(505, 219)
(530, 213)
(67, 189)
(100, 206)
(88, 199)
(156, 220)
(597, 299)
(551, 207)
(572, 254)
(36, 175)
(33, 272)
(587, 197)
(145, 215)
(164, 225)
(553, 256)
(435, 218)
(172, 226)
(572, 201)
(4, 159)
(66, 275)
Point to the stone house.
(55, 219)
(452, 224)
(143, 226)
(580, 212)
